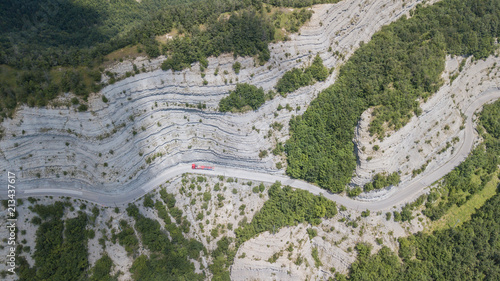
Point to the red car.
(199, 167)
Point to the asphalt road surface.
(401, 194)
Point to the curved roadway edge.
(403, 194)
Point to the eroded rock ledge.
(108, 148)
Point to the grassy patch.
(459, 215)
(129, 52)
(8, 75)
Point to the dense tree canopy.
(244, 33)
(102, 269)
(286, 207)
(467, 252)
(490, 120)
(170, 255)
(48, 47)
(61, 247)
(48, 33)
(296, 78)
(381, 181)
(244, 95)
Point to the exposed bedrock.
(430, 140)
(146, 127)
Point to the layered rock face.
(146, 127)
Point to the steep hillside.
(145, 127)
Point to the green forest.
(244, 33)
(401, 63)
(170, 256)
(61, 246)
(296, 78)
(468, 252)
(287, 207)
(48, 47)
(243, 98)
(380, 181)
(69, 32)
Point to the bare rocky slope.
(146, 127)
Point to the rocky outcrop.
(431, 139)
(146, 127)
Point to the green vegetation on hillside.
(401, 63)
(169, 259)
(465, 252)
(126, 237)
(244, 33)
(61, 247)
(223, 257)
(468, 252)
(42, 33)
(49, 47)
(293, 21)
(456, 216)
(286, 207)
(381, 180)
(296, 78)
(471, 176)
(102, 269)
(244, 97)
(490, 120)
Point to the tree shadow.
(51, 23)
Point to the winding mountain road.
(401, 194)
